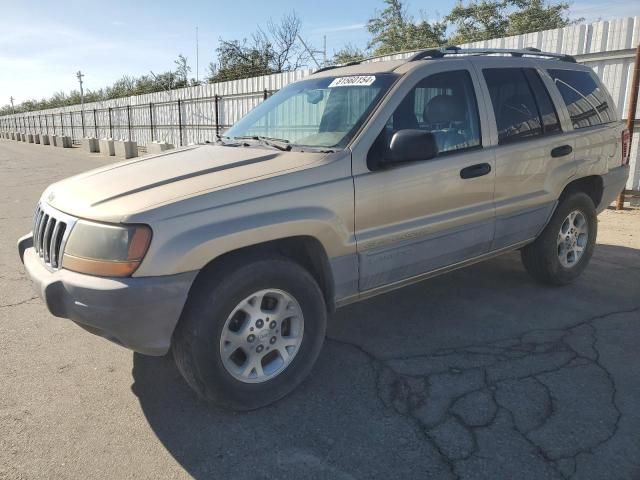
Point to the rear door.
(530, 148)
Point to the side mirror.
(411, 146)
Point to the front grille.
(50, 231)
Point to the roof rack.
(434, 53)
(331, 67)
(453, 50)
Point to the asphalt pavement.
(477, 374)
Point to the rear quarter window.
(588, 103)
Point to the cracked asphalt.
(478, 374)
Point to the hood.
(119, 190)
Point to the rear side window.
(587, 102)
(522, 106)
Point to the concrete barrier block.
(29, 138)
(46, 139)
(53, 139)
(126, 149)
(24, 137)
(13, 135)
(36, 138)
(106, 147)
(63, 141)
(158, 147)
(91, 145)
(18, 137)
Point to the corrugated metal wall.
(187, 115)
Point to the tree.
(272, 50)
(182, 70)
(538, 15)
(241, 59)
(394, 30)
(487, 19)
(348, 53)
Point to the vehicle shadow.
(359, 415)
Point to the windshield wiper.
(279, 143)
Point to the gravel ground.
(478, 374)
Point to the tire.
(205, 336)
(551, 262)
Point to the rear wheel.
(250, 333)
(563, 250)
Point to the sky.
(42, 46)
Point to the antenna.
(197, 58)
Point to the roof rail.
(453, 50)
(331, 67)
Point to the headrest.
(444, 108)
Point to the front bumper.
(139, 313)
(613, 183)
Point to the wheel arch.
(305, 250)
(592, 185)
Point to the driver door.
(419, 217)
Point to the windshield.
(324, 112)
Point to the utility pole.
(13, 110)
(197, 59)
(79, 74)
(324, 50)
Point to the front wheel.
(563, 249)
(250, 333)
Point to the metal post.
(129, 120)
(151, 119)
(216, 103)
(631, 113)
(46, 123)
(62, 123)
(71, 121)
(82, 121)
(265, 94)
(40, 124)
(180, 120)
(95, 122)
(110, 125)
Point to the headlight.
(106, 250)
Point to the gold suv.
(355, 181)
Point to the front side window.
(523, 108)
(587, 102)
(322, 112)
(445, 105)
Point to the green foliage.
(394, 30)
(348, 53)
(487, 19)
(182, 69)
(537, 15)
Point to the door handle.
(475, 171)
(561, 151)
